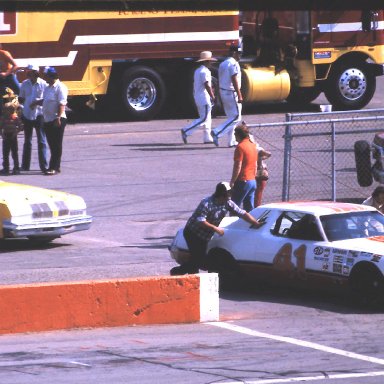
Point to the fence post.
(287, 159)
(333, 161)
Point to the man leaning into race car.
(204, 222)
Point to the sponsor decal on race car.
(339, 251)
(338, 259)
(353, 253)
(350, 261)
(337, 268)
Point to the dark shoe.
(183, 270)
(184, 137)
(215, 139)
(177, 271)
(16, 171)
(51, 172)
(24, 168)
(4, 172)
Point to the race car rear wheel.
(362, 151)
(367, 285)
(223, 263)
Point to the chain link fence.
(316, 156)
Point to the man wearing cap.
(55, 119)
(204, 98)
(231, 96)
(205, 221)
(31, 93)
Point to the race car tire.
(223, 263)
(363, 163)
(367, 285)
(36, 240)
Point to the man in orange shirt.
(243, 181)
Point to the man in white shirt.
(204, 98)
(54, 102)
(231, 96)
(31, 91)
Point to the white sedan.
(40, 214)
(326, 245)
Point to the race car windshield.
(353, 225)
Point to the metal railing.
(318, 152)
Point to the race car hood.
(20, 199)
(370, 244)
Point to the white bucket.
(326, 108)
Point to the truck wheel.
(300, 96)
(363, 163)
(350, 85)
(143, 92)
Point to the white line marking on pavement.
(301, 343)
(309, 378)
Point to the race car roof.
(318, 208)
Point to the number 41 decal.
(283, 260)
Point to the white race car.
(315, 244)
(38, 213)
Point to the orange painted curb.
(106, 303)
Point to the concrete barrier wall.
(109, 303)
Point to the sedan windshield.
(353, 225)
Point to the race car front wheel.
(367, 285)
(223, 263)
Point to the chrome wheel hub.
(352, 83)
(141, 93)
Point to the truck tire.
(350, 85)
(363, 163)
(143, 92)
(302, 96)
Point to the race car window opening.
(353, 225)
(297, 225)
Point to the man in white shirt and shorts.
(204, 98)
(231, 97)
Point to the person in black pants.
(204, 222)
(54, 101)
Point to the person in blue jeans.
(31, 91)
(244, 169)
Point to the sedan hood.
(369, 244)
